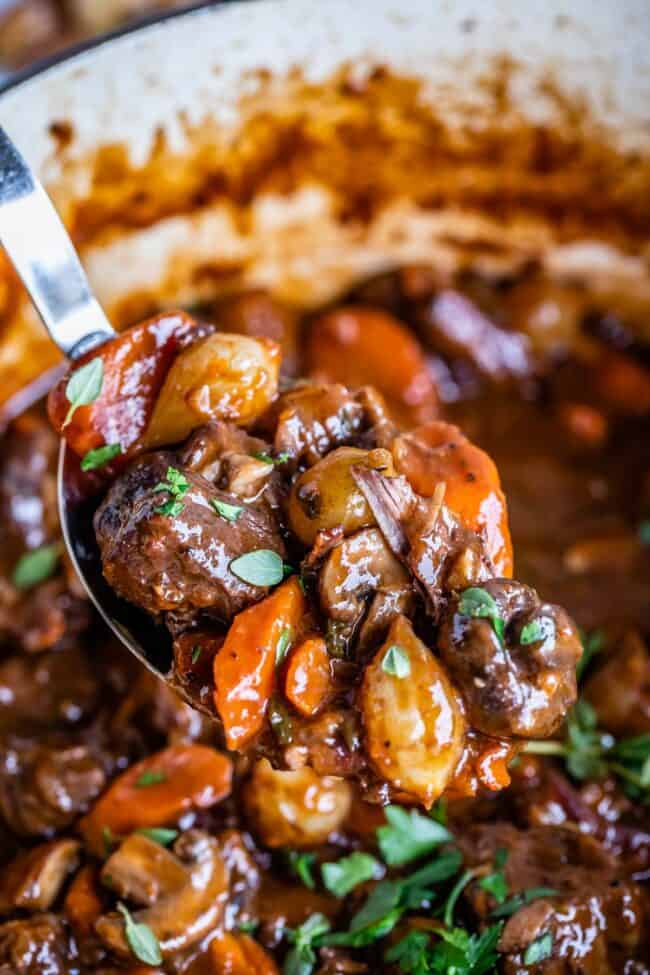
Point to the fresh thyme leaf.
(347, 873)
(512, 905)
(177, 485)
(36, 566)
(196, 653)
(282, 646)
(302, 866)
(150, 777)
(159, 834)
(479, 604)
(396, 662)
(100, 456)
(170, 508)
(538, 630)
(539, 949)
(261, 567)
(84, 386)
(141, 939)
(230, 512)
(301, 958)
(409, 835)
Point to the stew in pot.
(430, 767)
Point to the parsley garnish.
(409, 835)
(347, 873)
(479, 604)
(454, 894)
(457, 952)
(266, 458)
(396, 662)
(592, 644)
(301, 865)
(159, 834)
(196, 653)
(36, 566)
(539, 949)
(230, 512)
(151, 777)
(538, 630)
(512, 905)
(141, 939)
(100, 456)
(282, 646)
(302, 957)
(177, 485)
(84, 386)
(591, 753)
(495, 883)
(262, 567)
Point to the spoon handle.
(44, 257)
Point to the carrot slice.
(439, 452)
(308, 679)
(157, 791)
(238, 954)
(135, 363)
(244, 667)
(82, 904)
(364, 346)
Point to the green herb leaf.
(262, 567)
(170, 508)
(396, 662)
(302, 866)
(196, 653)
(160, 835)
(230, 512)
(301, 958)
(36, 566)
(464, 953)
(151, 777)
(108, 840)
(141, 939)
(454, 894)
(282, 646)
(592, 644)
(538, 630)
(439, 811)
(512, 905)
(100, 456)
(248, 927)
(539, 949)
(266, 458)
(477, 603)
(409, 835)
(84, 386)
(177, 485)
(344, 875)
(410, 953)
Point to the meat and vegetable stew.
(406, 756)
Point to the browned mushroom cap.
(182, 916)
(512, 656)
(34, 879)
(143, 871)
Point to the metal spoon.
(44, 257)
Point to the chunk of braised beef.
(34, 879)
(516, 670)
(47, 616)
(56, 689)
(38, 945)
(45, 786)
(620, 688)
(179, 561)
(313, 418)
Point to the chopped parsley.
(177, 486)
(301, 866)
(593, 643)
(538, 630)
(477, 603)
(100, 456)
(230, 512)
(141, 939)
(267, 458)
(347, 873)
(196, 653)
(150, 777)
(396, 662)
(539, 949)
(456, 952)
(159, 834)
(282, 646)
(302, 956)
(409, 835)
(495, 883)
(84, 386)
(36, 566)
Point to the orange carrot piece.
(156, 791)
(82, 904)
(135, 365)
(308, 678)
(244, 667)
(439, 452)
(238, 954)
(367, 347)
